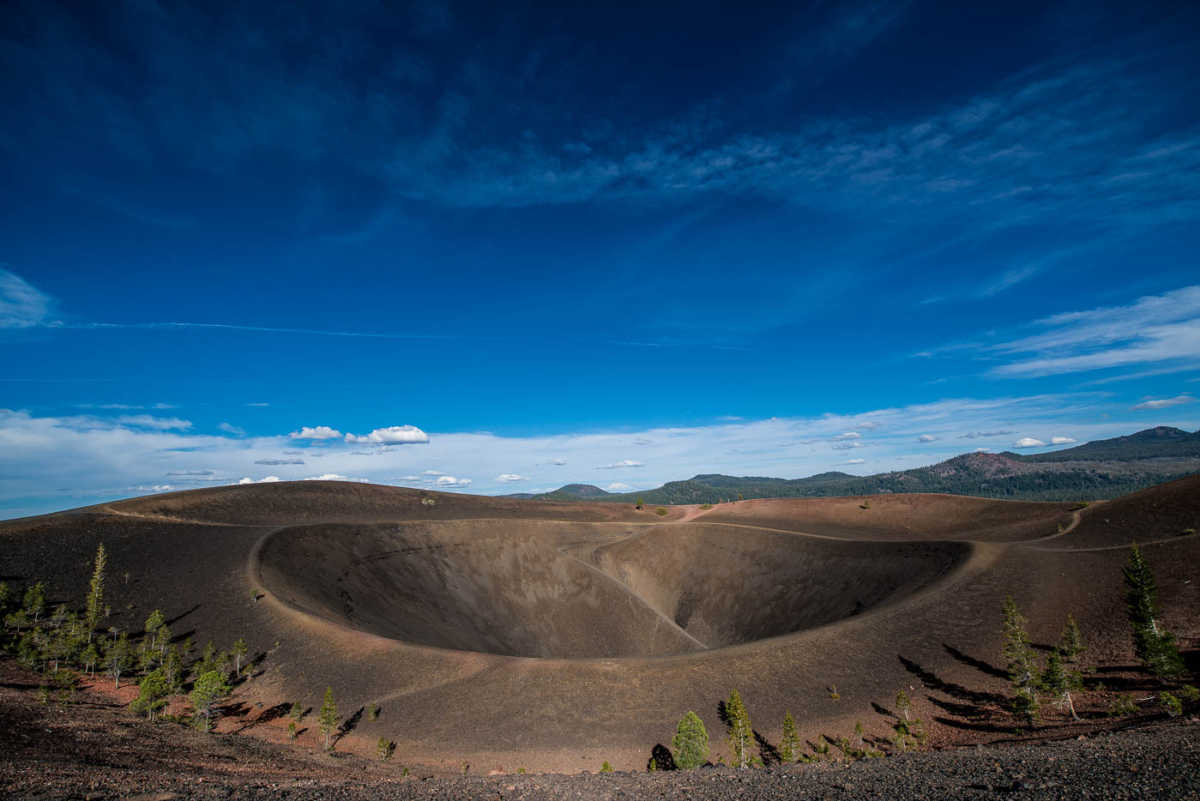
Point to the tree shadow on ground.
(268, 715)
(661, 758)
(348, 725)
(978, 664)
(933, 682)
(768, 753)
(172, 621)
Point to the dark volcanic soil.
(93, 749)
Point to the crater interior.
(583, 590)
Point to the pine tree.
(741, 734)
(95, 599)
(209, 688)
(239, 651)
(152, 693)
(1019, 661)
(1070, 644)
(903, 704)
(118, 658)
(789, 743)
(1060, 682)
(328, 717)
(690, 743)
(1153, 645)
(384, 749)
(172, 669)
(35, 600)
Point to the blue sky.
(614, 246)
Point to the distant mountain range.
(1101, 469)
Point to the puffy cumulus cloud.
(620, 464)
(450, 482)
(510, 477)
(927, 438)
(263, 480)
(57, 462)
(21, 305)
(1062, 440)
(157, 423)
(392, 435)
(849, 435)
(334, 477)
(1028, 442)
(230, 428)
(1163, 403)
(618, 486)
(315, 432)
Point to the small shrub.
(372, 712)
(705, 506)
(605, 768)
(520, 770)
(1171, 704)
(833, 693)
(1188, 693)
(1123, 705)
(384, 749)
(866, 504)
(292, 730)
(660, 511)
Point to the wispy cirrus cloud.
(21, 304)
(1164, 403)
(1153, 329)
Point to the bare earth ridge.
(510, 634)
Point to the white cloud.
(1163, 403)
(983, 434)
(510, 477)
(334, 477)
(263, 480)
(21, 305)
(451, 481)
(1155, 328)
(1028, 442)
(155, 488)
(157, 423)
(392, 435)
(316, 432)
(618, 486)
(854, 461)
(1062, 440)
(845, 446)
(230, 428)
(620, 464)
(927, 438)
(277, 462)
(432, 473)
(559, 462)
(849, 435)
(95, 459)
(259, 405)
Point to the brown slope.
(444, 706)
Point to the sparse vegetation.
(660, 511)
(208, 689)
(741, 734)
(95, 598)
(1154, 645)
(372, 712)
(606, 768)
(789, 742)
(327, 718)
(690, 744)
(384, 749)
(1170, 704)
(1020, 664)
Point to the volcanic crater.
(571, 590)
